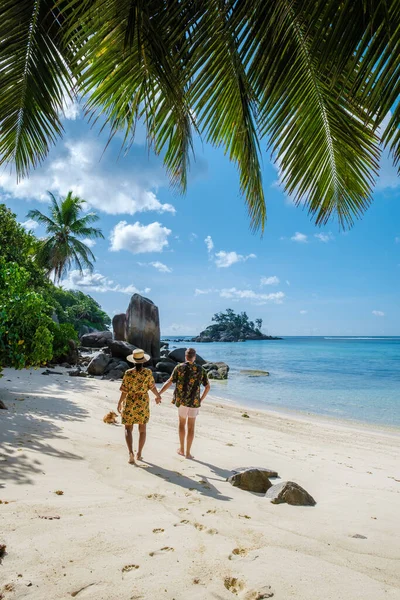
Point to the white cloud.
(269, 280)
(324, 237)
(378, 313)
(30, 224)
(161, 267)
(303, 312)
(299, 237)
(193, 236)
(96, 282)
(70, 109)
(198, 292)
(226, 259)
(106, 185)
(90, 243)
(234, 293)
(138, 238)
(209, 243)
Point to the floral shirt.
(137, 383)
(187, 378)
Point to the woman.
(134, 400)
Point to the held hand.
(119, 408)
(158, 400)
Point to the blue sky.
(194, 255)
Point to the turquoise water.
(346, 378)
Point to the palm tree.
(62, 247)
(315, 81)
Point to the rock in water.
(97, 339)
(2, 405)
(143, 325)
(98, 364)
(178, 355)
(120, 349)
(291, 493)
(119, 326)
(251, 480)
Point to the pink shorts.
(185, 411)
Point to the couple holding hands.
(134, 403)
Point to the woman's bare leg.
(142, 440)
(129, 441)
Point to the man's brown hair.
(190, 352)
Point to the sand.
(176, 529)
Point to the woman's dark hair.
(138, 367)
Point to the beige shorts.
(185, 411)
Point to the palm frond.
(34, 80)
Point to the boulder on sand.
(291, 493)
(178, 355)
(97, 339)
(117, 363)
(119, 326)
(251, 480)
(165, 366)
(143, 325)
(120, 349)
(72, 355)
(98, 364)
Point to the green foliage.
(78, 309)
(62, 247)
(62, 334)
(24, 319)
(315, 80)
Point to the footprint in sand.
(183, 522)
(155, 497)
(237, 553)
(211, 511)
(212, 531)
(158, 530)
(128, 568)
(182, 509)
(162, 551)
(262, 594)
(234, 585)
(199, 526)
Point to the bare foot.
(139, 457)
(180, 452)
(190, 456)
(131, 460)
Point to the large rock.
(119, 326)
(165, 366)
(178, 355)
(251, 480)
(117, 363)
(291, 493)
(143, 325)
(98, 364)
(96, 339)
(120, 349)
(114, 374)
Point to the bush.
(62, 334)
(24, 318)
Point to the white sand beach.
(176, 529)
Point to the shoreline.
(173, 528)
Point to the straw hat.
(138, 356)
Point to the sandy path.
(168, 529)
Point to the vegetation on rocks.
(231, 327)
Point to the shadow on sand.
(30, 424)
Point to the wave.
(361, 338)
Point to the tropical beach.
(199, 300)
(173, 528)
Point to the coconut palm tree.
(315, 81)
(62, 247)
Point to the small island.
(231, 327)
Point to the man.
(188, 377)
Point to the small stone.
(358, 536)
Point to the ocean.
(352, 378)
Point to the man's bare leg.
(142, 440)
(182, 435)
(190, 436)
(128, 439)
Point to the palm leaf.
(34, 80)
